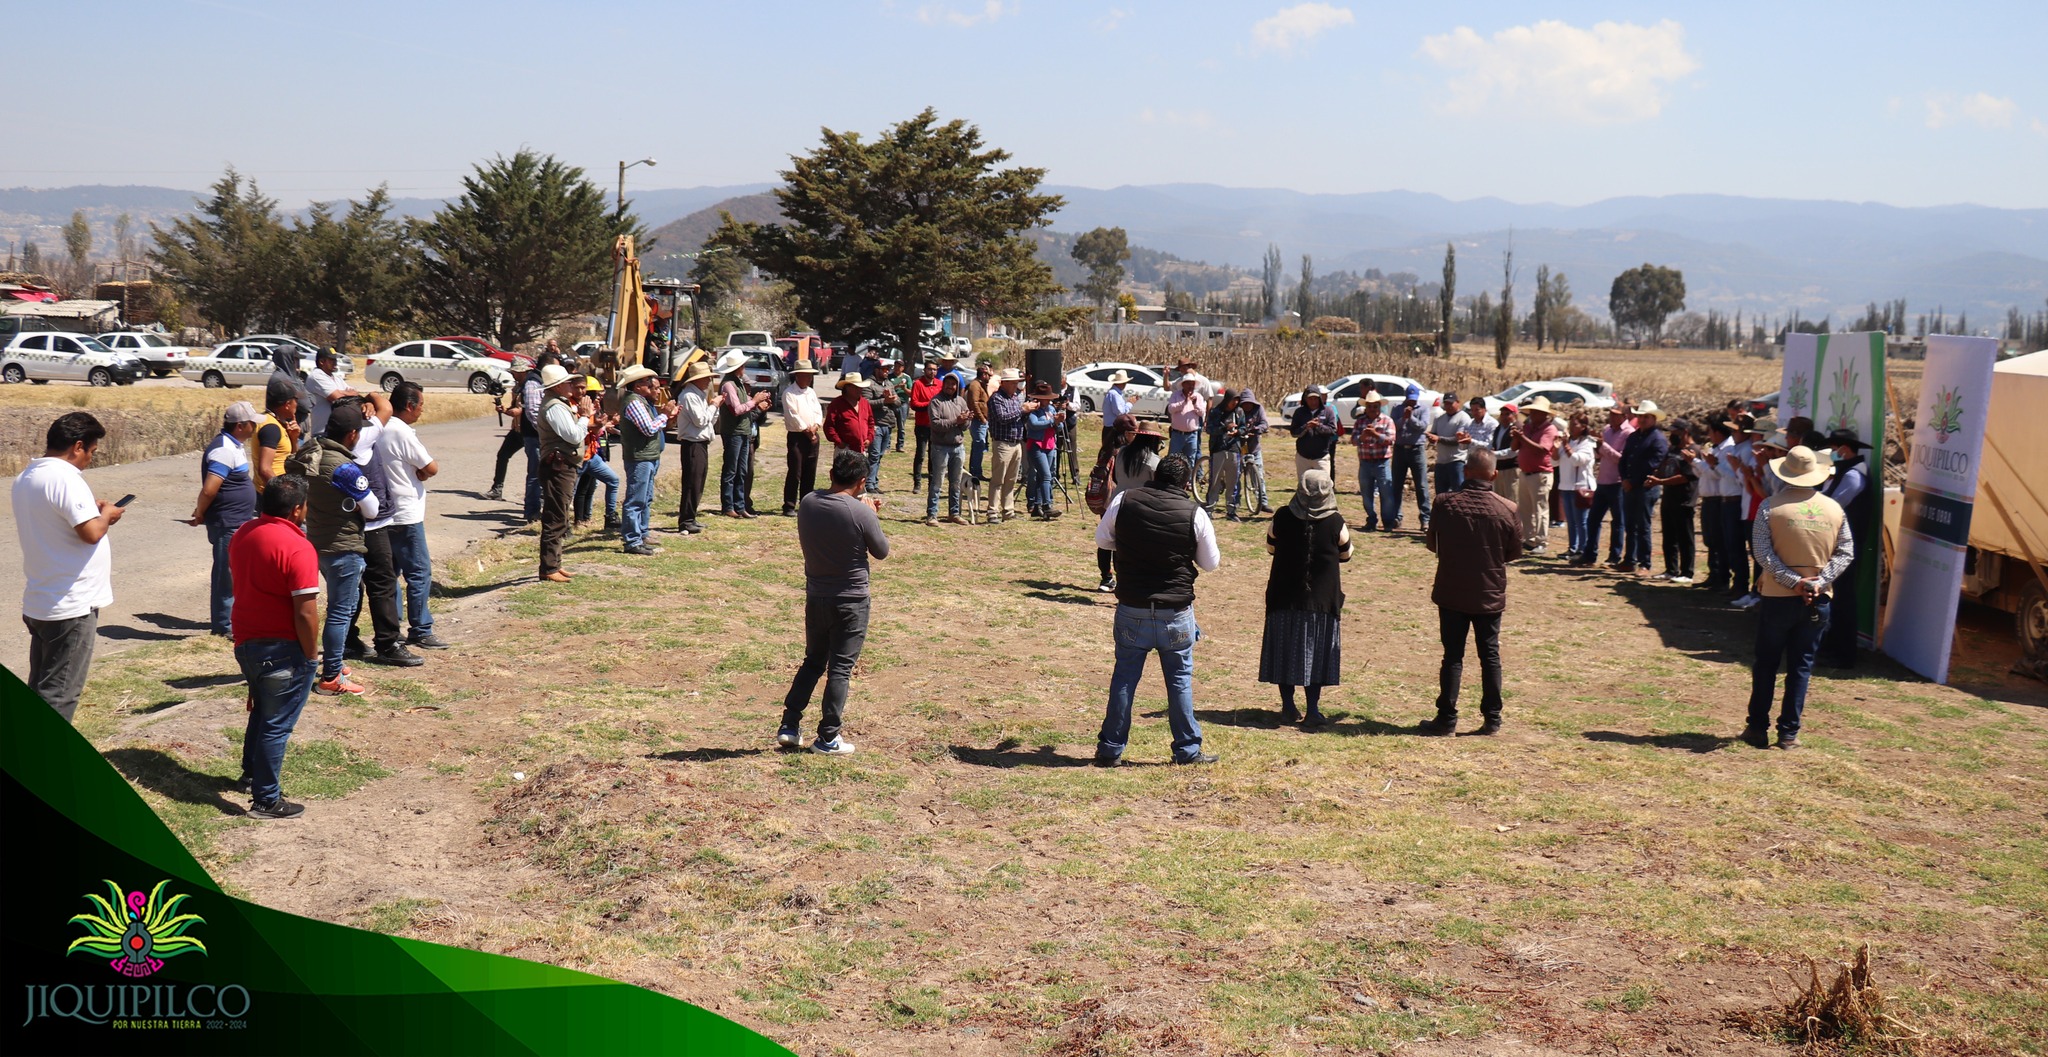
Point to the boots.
(611, 522)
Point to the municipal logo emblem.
(1948, 414)
(136, 932)
(1845, 400)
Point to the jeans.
(1141, 631)
(736, 477)
(1788, 632)
(532, 477)
(223, 607)
(979, 432)
(835, 629)
(344, 576)
(1251, 481)
(1452, 627)
(59, 653)
(919, 454)
(595, 470)
(1408, 463)
(380, 586)
(1638, 502)
(279, 675)
(640, 474)
(1606, 497)
(800, 461)
(877, 448)
(942, 464)
(416, 568)
(1450, 476)
(1185, 442)
(1575, 528)
(1376, 487)
(1678, 548)
(1044, 464)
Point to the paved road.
(162, 566)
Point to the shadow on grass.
(122, 632)
(1341, 723)
(1052, 591)
(705, 755)
(167, 621)
(167, 776)
(203, 682)
(1042, 756)
(1690, 741)
(442, 590)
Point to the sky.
(1904, 103)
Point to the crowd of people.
(326, 487)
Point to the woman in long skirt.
(1305, 597)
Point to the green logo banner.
(116, 940)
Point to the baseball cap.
(348, 479)
(241, 411)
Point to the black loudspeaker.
(1045, 364)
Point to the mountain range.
(1758, 254)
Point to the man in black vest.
(1850, 487)
(1161, 536)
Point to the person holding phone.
(65, 559)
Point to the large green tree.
(1103, 252)
(354, 269)
(1643, 298)
(878, 234)
(528, 242)
(224, 259)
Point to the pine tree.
(1446, 299)
(223, 260)
(1304, 296)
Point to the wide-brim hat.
(1762, 427)
(1041, 388)
(1838, 438)
(1010, 374)
(1119, 378)
(1150, 429)
(697, 372)
(947, 357)
(730, 362)
(804, 366)
(1186, 363)
(852, 381)
(1802, 467)
(1778, 440)
(1536, 404)
(636, 372)
(553, 375)
(1648, 407)
(522, 365)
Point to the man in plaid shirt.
(1373, 432)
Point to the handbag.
(1098, 489)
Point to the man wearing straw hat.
(564, 421)
(1006, 444)
(803, 420)
(1535, 456)
(1641, 455)
(696, 424)
(849, 419)
(1803, 542)
(1115, 405)
(739, 422)
(643, 429)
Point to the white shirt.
(694, 415)
(1207, 557)
(801, 411)
(1727, 477)
(323, 386)
(67, 577)
(400, 457)
(1575, 470)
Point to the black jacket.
(1155, 548)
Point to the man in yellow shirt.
(1802, 540)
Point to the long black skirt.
(1301, 648)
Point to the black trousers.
(512, 445)
(1454, 627)
(380, 586)
(1838, 643)
(557, 497)
(923, 449)
(1678, 546)
(835, 629)
(695, 458)
(801, 457)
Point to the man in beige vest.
(1802, 540)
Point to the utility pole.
(623, 166)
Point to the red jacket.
(849, 423)
(921, 393)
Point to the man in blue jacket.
(1641, 455)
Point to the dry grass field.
(589, 779)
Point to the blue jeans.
(1043, 465)
(596, 469)
(1788, 632)
(1408, 462)
(223, 607)
(1606, 497)
(1450, 476)
(532, 477)
(415, 568)
(942, 463)
(1636, 505)
(344, 576)
(1376, 486)
(1575, 518)
(279, 675)
(736, 478)
(979, 432)
(876, 449)
(1185, 443)
(1140, 632)
(639, 499)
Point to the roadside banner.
(1837, 380)
(1941, 490)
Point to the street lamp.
(623, 166)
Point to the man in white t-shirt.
(404, 464)
(380, 569)
(65, 558)
(325, 384)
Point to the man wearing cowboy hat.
(950, 364)
(849, 419)
(643, 429)
(1607, 488)
(1372, 433)
(1535, 450)
(696, 425)
(531, 397)
(1850, 489)
(1641, 455)
(1802, 540)
(803, 420)
(515, 436)
(1115, 405)
(564, 422)
(1187, 414)
(739, 419)
(1006, 409)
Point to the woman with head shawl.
(1305, 596)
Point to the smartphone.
(126, 499)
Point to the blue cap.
(1414, 391)
(348, 479)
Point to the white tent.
(2015, 425)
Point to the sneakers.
(397, 657)
(1107, 586)
(1197, 759)
(1747, 601)
(643, 550)
(279, 808)
(788, 738)
(1682, 581)
(427, 640)
(337, 686)
(495, 495)
(835, 747)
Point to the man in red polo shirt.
(277, 634)
(1535, 447)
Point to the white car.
(436, 363)
(307, 352)
(161, 354)
(1595, 386)
(1146, 390)
(963, 348)
(1559, 392)
(1345, 393)
(47, 356)
(231, 364)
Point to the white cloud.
(1613, 72)
(1299, 24)
(944, 15)
(1111, 19)
(1981, 108)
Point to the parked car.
(47, 356)
(12, 325)
(161, 354)
(1345, 393)
(1596, 386)
(749, 339)
(231, 364)
(1765, 404)
(1146, 390)
(306, 350)
(963, 348)
(433, 362)
(1557, 391)
(480, 346)
(764, 371)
